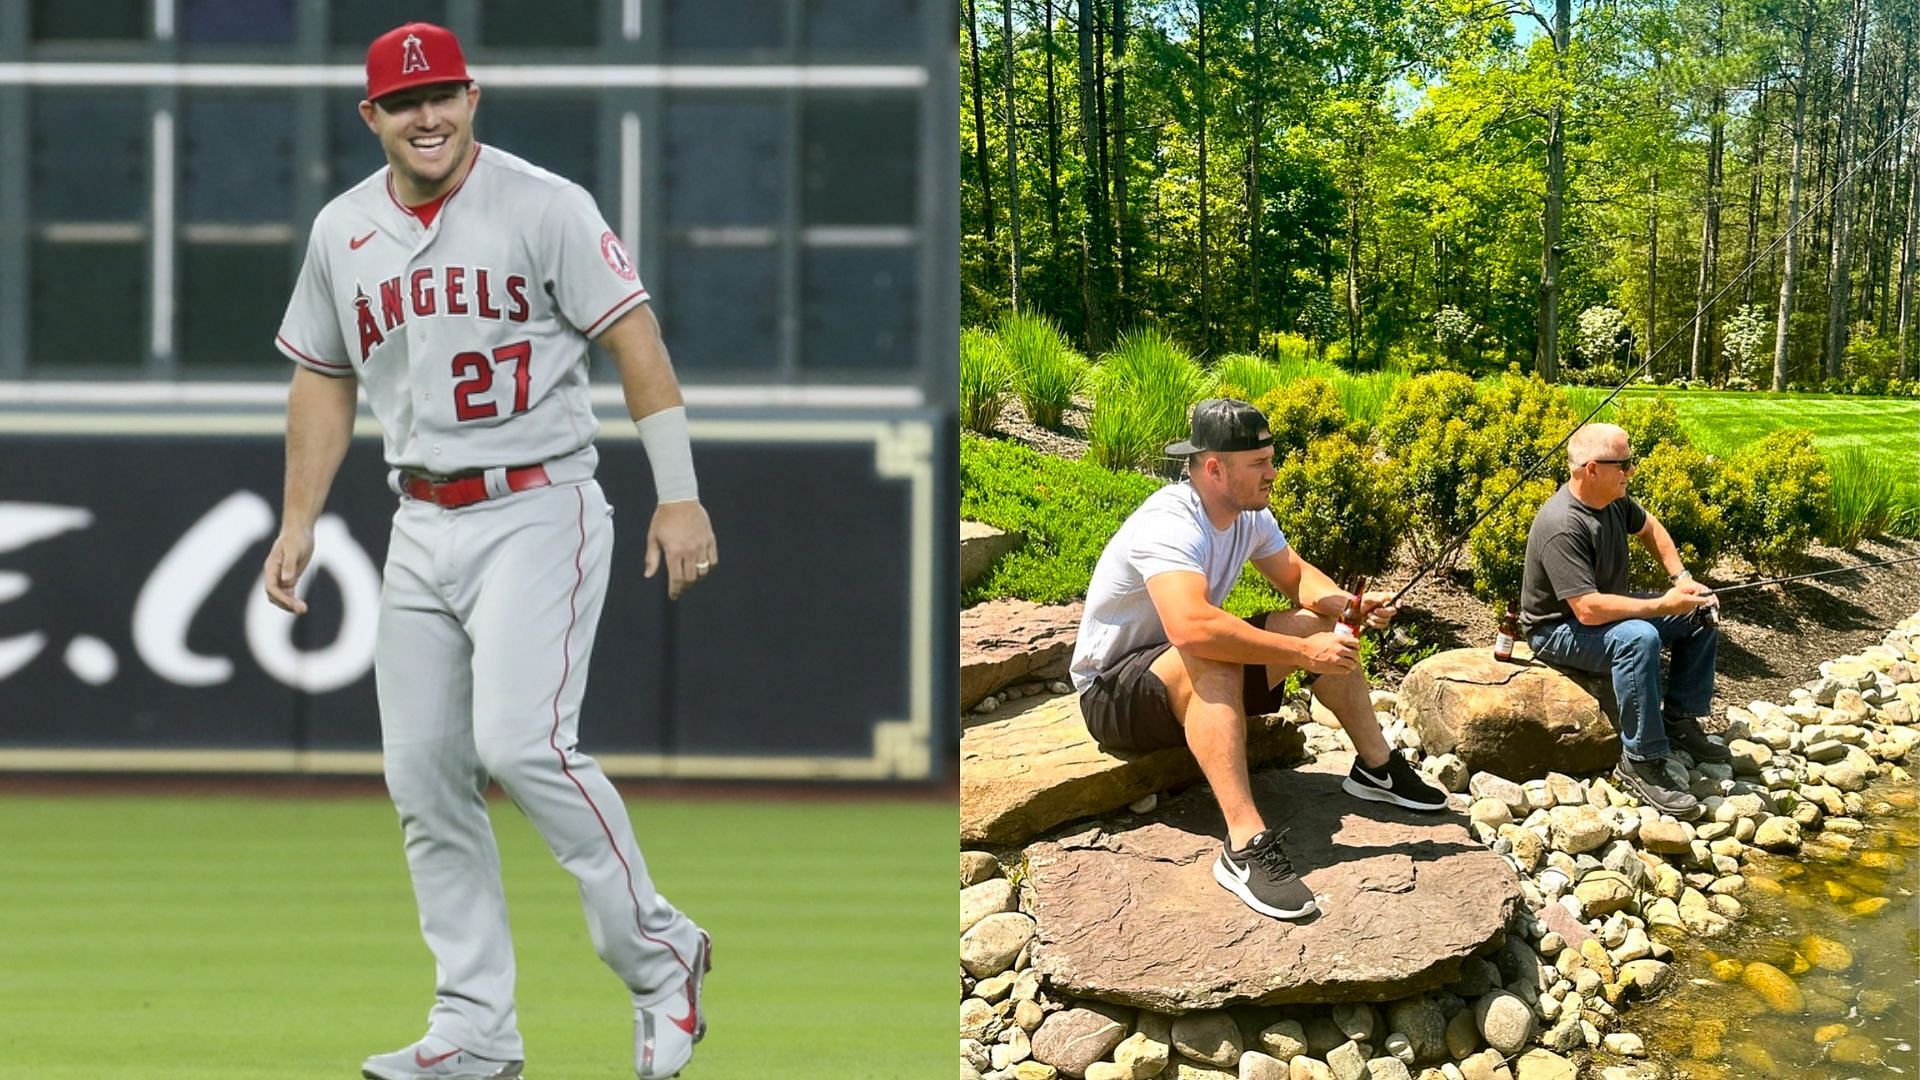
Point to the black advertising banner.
(134, 633)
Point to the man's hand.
(288, 559)
(681, 536)
(1373, 606)
(1329, 654)
(1685, 597)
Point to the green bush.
(1525, 421)
(1866, 498)
(1674, 483)
(1067, 509)
(985, 380)
(1336, 503)
(1143, 390)
(1301, 413)
(1650, 425)
(1046, 370)
(1497, 550)
(1246, 377)
(1776, 495)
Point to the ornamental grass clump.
(986, 381)
(1047, 373)
(1866, 498)
(1247, 377)
(1142, 392)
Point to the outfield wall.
(134, 634)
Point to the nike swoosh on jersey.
(357, 241)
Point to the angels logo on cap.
(412, 59)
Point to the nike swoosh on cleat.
(426, 1062)
(356, 242)
(686, 1023)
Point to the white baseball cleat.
(662, 1041)
(434, 1058)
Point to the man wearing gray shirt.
(1577, 613)
(1159, 664)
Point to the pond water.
(1841, 927)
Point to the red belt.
(467, 490)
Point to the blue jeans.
(1629, 650)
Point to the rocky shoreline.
(1610, 888)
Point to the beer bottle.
(1509, 630)
(1348, 628)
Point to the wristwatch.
(1675, 578)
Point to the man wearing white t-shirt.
(1159, 664)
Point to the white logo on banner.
(182, 581)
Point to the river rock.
(1666, 837)
(1028, 773)
(1826, 953)
(1387, 1068)
(1520, 721)
(976, 867)
(1211, 1037)
(1486, 1065)
(1072, 1039)
(1255, 1065)
(1577, 829)
(1544, 1065)
(979, 901)
(1505, 1021)
(1424, 1024)
(992, 944)
(1774, 988)
(1284, 1039)
(1603, 892)
(1306, 1068)
(1486, 785)
(1134, 916)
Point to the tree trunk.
(1653, 262)
(1841, 263)
(1202, 104)
(1907, 253)
(1791, 263)
(1123, 222)
(1753, 194)
(1709, 242)
(1013, 162)
(1094, 285)
(1053, 138)
(1546, 351)
(1253, 172)
(980, 127)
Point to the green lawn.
(1723, 421)
(234, 937)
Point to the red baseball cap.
(416, 54)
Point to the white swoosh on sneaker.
(1241, 872)
(1385, 783)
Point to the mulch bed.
(1772, 638)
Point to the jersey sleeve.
(310, 333)
(586, 267)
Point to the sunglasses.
(1625, 463)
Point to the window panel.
(232, 297)
(719, 313)
(88, 158)
(858, 307)
(723, 160)
(236, 22)
(88, 304)
(860, 157)
(694, 26)
(554, 131)
(97, 20)
(865, 26)
(564, 24)
(355, 23)
(236, 156)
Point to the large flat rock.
(1135, 918)
(1008, 641)
(1518, 720)
(1030, 772)
(980, 547)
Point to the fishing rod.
(1752, 264)
(1815, 574)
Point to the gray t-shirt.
(1572, 550)
(1169, 531)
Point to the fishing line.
(1752, 264)
(1815, 574)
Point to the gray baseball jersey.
(470, 334)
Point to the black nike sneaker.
(1686, 733)
(1262, 877)
(1649, 781)
(1394, 782)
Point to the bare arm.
(1194, 625)
(680, 535)
(320, 412)
(1597, 608)
(1654, 537)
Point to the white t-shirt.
(1169, 532)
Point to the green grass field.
(226, 937)
(1720, 422)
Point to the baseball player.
(458, 287)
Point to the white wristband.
(670, 452)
